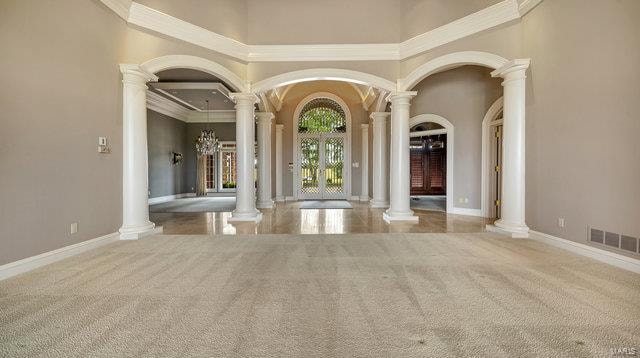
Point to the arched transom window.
(322, 115)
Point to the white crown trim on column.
(150, 19)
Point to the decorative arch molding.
(195, 63)
(347, 144)
(490, 119)
(450, 131)
(450, 61)
(328, 74)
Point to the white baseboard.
(280, 199)
(365, 198)
(289, 198)
(33, 262)
(467, 211)
(595, 253)
(164, 199)
(354, 198)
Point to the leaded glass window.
(322, 115)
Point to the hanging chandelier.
(207, 143)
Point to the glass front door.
(321, 169)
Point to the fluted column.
(264, 159)
(135, 179)
(512, 213)
(364, 171)
(380, 160)
(399, 189)
(245, 156)
(279, 195)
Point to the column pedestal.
(399, 190)
(245, 156)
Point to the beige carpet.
(369, 295)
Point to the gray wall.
(583, 119)
(462, 96)
(166, 135)
(60, 89)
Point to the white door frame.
(450, 132)
(490, 119)
(347, 142)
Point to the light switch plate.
(74, 228)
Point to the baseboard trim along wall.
(595, 253)
(467, 211)
(164, 199)
(30, 263)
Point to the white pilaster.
(135, 182)
(399, 200)
(245, 156)
(264, 159)
(512, 220)
(380, 159)
(364, 165)
(279, 196)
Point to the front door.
(321, 169)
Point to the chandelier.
(207, 143)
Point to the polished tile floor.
(288, 218)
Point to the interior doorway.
(496, 169)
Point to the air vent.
(629, 243)
(597, 236)
(611, 239)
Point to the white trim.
(164, 199)
(527, 5)
(289, 198)
(608, 257)
(449, 61)
(328, 74)
(347, 142)
(465, 211)
(160, 104)
(485, 182)
(34, 262)
(354, 198)
(449, 129)
(195, 63)
(164, 88)
(150, 19)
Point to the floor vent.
(624, 242)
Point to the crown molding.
(150, 19)
(160, 104)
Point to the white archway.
(490, 119)
(347, 160)
(450, 61)
(318, 74)
(195, 63)
(450, 131)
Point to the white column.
(264, 159)
(245, 156)
(512, 220)
(380, 159)
(399, 189)
(135, 180)
(364, 171)
(279, 128)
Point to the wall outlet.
(74, 228)
(561, 222)
(355, 164)
(192, 189)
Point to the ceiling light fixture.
(207, 143)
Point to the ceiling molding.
(160, 104)
(148, 18)
(527, 5)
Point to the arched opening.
(322, 150)
(432, 143)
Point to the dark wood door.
(429, 170)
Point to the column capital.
(244, 98)
(379, 116)
(264, 117)
(514, 67)
(401, 96)
(279, 127)
(364, 127)
(136, 74)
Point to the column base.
(399, 216)
(268, 204)
(378, 204)
(280, 199)
(139, 231)
(245, 216)
(513, 231)
(364, 198)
